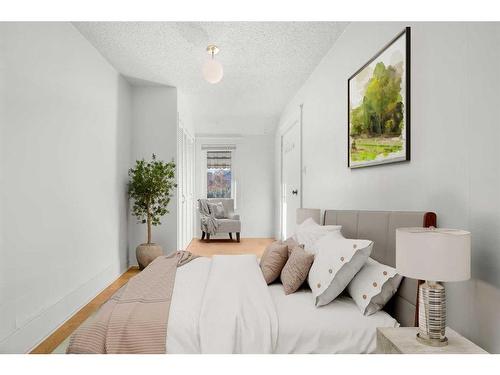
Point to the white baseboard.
(27, 337)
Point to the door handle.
(295, 192)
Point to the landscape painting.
(379, 107)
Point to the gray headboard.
(380, 227)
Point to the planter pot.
(146, 253)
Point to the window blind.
(219, 159)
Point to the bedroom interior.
(249, 187)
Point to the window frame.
(232, 191)
(203, 146)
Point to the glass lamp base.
(432, 342)
(432, 314)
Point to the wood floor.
(229, 247)
(204, 248)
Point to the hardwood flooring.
(229, 247)
(204, 248)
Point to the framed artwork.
(379, 107)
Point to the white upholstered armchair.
(217, 216)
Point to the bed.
(223, 305)
(300, 327)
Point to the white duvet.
(223, 305)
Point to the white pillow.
(309, 232)
(218, 210)
(336, 262)
(373, 286)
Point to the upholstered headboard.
(380, 227)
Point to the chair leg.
(231, 236)
(202, 235)
(208, 236)
(238, 236)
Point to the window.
(219, 174)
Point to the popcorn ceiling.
(265, 64)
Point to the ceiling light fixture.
(212, 70)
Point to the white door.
(291, 177)
(185, 186)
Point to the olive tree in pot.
(150, 187)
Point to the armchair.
(210, 225)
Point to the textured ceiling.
(265, 63)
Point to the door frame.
(295, 118)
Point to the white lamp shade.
(212, 71)
(433, 254)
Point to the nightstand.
(402, 341)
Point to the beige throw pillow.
(296, 269)
(291, 243)
(273, 260)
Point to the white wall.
(254, 174)
(4, 329)
(154, 112)
(64, 153)
(184, 108)
(256, 183)
(455, 130)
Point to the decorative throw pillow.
(336, 262)
(296, 269)
(291, 243)
(273, 260)
(309, 232)
(373, 286)
(217, 209)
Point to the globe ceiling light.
(212, 70)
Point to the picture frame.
(378, 108)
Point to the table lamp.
(433, 255)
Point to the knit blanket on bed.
(134, 320)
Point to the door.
(291, 180)
(185, 187)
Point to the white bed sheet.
(238, 313)
(187, 297)
(338, 327)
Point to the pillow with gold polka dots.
(336, 262)
(373, 286)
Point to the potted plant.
(150, 187)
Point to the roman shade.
(219, 159)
